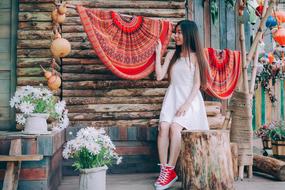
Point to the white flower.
(119, 160)
(60, 106)
(20, 119)
(27, 108)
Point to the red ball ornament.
(259, 10)
(279, 36)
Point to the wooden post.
(207, 160)
(234, 150)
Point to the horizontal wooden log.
(115, 92)
(35, 35)
(88, 77)
(36, 7)
(80, 61)
(89, 85)
(86, 69)
(37, 53)
(35, 71)
(34, 25)
(76, 20)
(271, 166)
(113, 116)
(130, 4)
(161, 13)
(82, 54)
(34, 44)
(11, 158)
(113, 108)
(36, 1)
(113, 100)
(34, 62)
(35, 16)
(32, 81)
(117, 123)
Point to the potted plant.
(92, 151)
(263, 132)
(34, 105)
(278, 139)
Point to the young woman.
(183, 106)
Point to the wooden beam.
(33, 157)
(13, 168)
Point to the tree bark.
(207, 160)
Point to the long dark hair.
(191, 43)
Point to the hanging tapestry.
(126, 45)
(225, 69)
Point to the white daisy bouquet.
(90, 149)
(28, 100)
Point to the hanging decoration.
(280, 16)
(225, 69)
(58, 15)
(125, 44)
(60, 47)
(279, 36)
(271, 22)
(53, 77)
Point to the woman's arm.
(195, 89)
(161, 70)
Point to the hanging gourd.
(60, 47)
(53, 78)
(280, 16)
(58, 15)
(271, 22)
(279, 36)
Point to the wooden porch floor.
(145, 182)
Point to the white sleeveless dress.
(182, 79)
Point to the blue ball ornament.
(271, 22)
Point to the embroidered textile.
(225, 69)
(126, 45)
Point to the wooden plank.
(5, 31)
(231, 28)
(199, 17)
(282, 97)
(5, 15)
(5, 97)
(258, 107)
(34, 16)
(36, 7)
(5, 45)
(207, 24)
(223, 26)
(13, 168)
(4, 114)
(268, 106)
(263, 106)
(11, 158)
(5, 4)
(215, 32)
(34, 25)
(4, 60)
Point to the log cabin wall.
(128, 110)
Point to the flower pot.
(93, 178)
(278, 148)
(266, 143)
(36, 124)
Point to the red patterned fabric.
(126, 45)
(225, 69)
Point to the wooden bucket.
(266, 143)
(278, 148)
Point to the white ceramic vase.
(36, 124)
(93, 178)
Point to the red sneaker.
(166, 178)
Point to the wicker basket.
(266, 143)
(278, 148)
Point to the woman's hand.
(158, 48)
(182, 110)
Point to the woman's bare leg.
(163, 142)
(175, 143)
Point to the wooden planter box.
(267, 144)
(278, 148)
